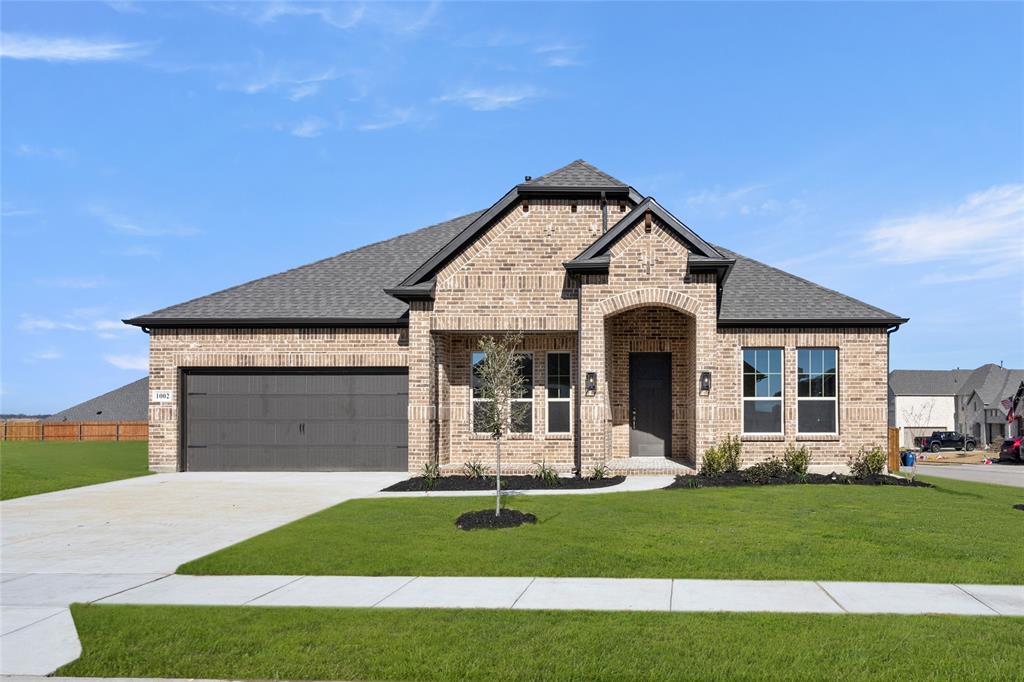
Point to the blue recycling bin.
(907, 458)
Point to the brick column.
(593, 406)
(421, 383)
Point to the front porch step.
(649, 466)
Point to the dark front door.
(650, 404)
(354, 420)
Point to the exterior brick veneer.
(512, 278)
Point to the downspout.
(578, 449)
(604, 213)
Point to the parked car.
(940, 440)
(1010, 450)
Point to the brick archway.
(639, 298)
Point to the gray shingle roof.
(129, 403)
(349, 285)
(579, 173)
(923, 382)
(755, 291)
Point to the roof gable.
(579, 173)
(127, 403)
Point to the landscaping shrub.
(868, 462)
(599, 472)
(546, 474)
(796, 459)
(474, 469)
(722, 458)
(431, 472)
(764, 472)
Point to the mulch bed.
(509, 518)
(741, 478)
(418, 483)
(1019, 506)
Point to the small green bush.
(598, 473)
(797, 459)
(546, 473)
(722, 458)
(474, 469)
(431, 472)
(765, 471)
(868, 462)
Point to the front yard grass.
(955, 532)
(33, 467)
(435, 644)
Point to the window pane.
(803, 385)
(817, 416)
(522, 417)
(475, 359)
(830, 386)
(816, 390)
(763, 363)
(558, 417)
(558, 375)
(763, 389)
(479, 416)
(526, 371)
(775, 385)
(829, 359)
(748, 385)
(803, 361)
(762, 416)
(748, 360)
(815, 361)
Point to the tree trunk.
(497, 496)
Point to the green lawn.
(33, 467)
(965, 532)
(429, 644)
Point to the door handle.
(632, 418)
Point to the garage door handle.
(193, 447)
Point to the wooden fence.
(23, 429)
(894, 448)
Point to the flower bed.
(486, 483)
(745, 478)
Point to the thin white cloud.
(125, 7)
(75, 321)
(73, 282)
(279, 79)
(122, 224)
(128, 361)
(24, 46)
(392, 119)
(559, 54)
(976, 239)
(401, 18)
(46, 355)
(311, 126)
(493, 98)
(748, 200)
(31, 151)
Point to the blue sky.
(154, 152)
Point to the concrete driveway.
(88, 543)
(1001, 474)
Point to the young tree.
(498, 378)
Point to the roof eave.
(814, 322)
(589, 266)
(417, 292)
(265, 322)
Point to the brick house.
(644, 345)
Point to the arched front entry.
(650, 362)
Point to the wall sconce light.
(705, 383)
(591, 383)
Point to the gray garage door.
(296, 421)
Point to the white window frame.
(834, 399)
(473, 400)
(548, 399)
(781, 398)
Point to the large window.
(762, 390)
(521, 403)
(816, 390)
(559, 383)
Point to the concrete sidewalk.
(39, 635)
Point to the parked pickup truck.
(940, 440)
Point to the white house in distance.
(926, 400)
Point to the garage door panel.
(297, 422)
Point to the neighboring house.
(130, 403)
(922, 401)
(645, 345)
